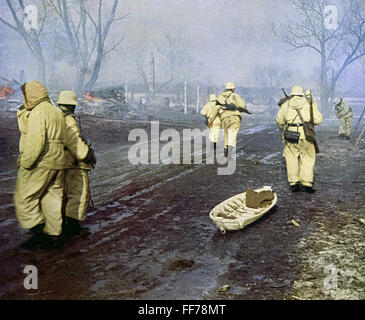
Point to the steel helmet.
(67, 97)
(336, 100)
(230, 86)
(212, 97)
(297, 91)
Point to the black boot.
(35, 239)
(309, 189)
(226, 152)
(73, 227)
(295, 187)
(51, 242)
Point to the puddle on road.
(181, 264)
(255, 129)
(266, 159)
(99, 284)
(117, 217)
(7, 221)
(156, 185)
(190, 279)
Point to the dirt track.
(153, 238)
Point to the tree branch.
(113, 46)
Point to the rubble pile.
(109, 102)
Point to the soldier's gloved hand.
(90, 158)
(93, 161)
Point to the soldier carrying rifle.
(300, 148)
(230, 113)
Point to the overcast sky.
(225, 39)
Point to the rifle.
(86, 140)
(311, 121)
(285, 99)
(232, 107)
(91, 203)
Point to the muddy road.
(152, 237)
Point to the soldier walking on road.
(344, 113)
(299, 153)
(77, 189)
(211, 112)
(230, 113)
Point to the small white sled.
(233, 214)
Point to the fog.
(215, 42)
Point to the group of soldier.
(296, 111)
(52, 191)
(225, 112)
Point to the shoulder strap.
(228, 97)
(300, 115)
(295, 116)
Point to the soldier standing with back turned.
(300, 155)
(230, 113)
(39, 187)
(77, 189)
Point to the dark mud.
(152, 237)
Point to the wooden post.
(21, 76)
(359, 138)
(185, 98)
(152, 74)
(126, 92)
(197, 98)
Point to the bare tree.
(174, 51)
(272, 76)
(139, 58)
(31, 36)
(338, 46)
(86, 36)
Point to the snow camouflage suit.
(231, 119)
(40, 181)
(77, 187)
(344, 113)
(211, 112)
(300, 157)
